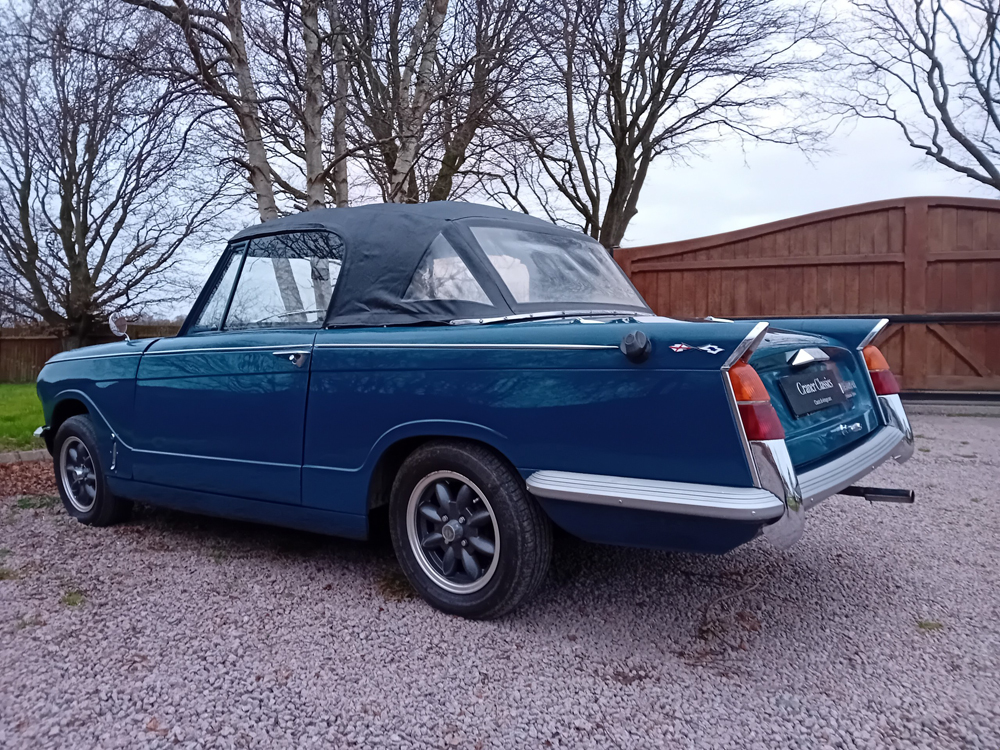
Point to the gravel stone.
(880, 629)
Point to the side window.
(443, 275)
(287, 280)
(210, 318)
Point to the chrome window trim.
(710, 501)
(366, 345)
(556, 314)
(828, 479)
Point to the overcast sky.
(727, 190)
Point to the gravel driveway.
(880, 629)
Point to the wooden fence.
(23, 353)
(933, 262)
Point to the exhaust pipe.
(879, 494)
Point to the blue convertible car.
(482, 375)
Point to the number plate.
(814, 390)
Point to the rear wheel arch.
(389, 462)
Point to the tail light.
(760, 420)
(882, 378)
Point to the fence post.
(915, 240)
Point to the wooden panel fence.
(22, 354)
(926, 259)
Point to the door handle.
(297, 357)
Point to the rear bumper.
(705, 500)
(778, 505)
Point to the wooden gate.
(932, 265)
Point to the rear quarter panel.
(582, 410)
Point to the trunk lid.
(822, 434)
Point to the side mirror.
(118, 324)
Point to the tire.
(80, 475)
(494, 511)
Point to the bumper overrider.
(778, 503)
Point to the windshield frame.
(485, 266)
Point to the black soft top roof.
(383, 244)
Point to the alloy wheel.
(453, 532)
(79, 478)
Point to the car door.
(221, 409)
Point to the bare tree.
(625, 82)
(99, 188)
(427, 82)
(933, 69)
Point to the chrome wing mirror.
(118, 324)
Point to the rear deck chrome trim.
(833, 476)
(712, 501)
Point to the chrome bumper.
(781, 499)
(893, 440)
(707, 500)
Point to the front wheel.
(468, 536)
(80, 476)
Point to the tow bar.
(879, 494)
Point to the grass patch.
(73, 598)
(8, 574)
(977, 499)
(20, 415)
(929, 626)
(924, 450)
(29, 502)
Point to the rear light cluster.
(882, 378)
(760, 420)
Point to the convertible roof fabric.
(383, 245)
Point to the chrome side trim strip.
(710, 501)
(95, 356)
(873, 333)
(292, 348)
(214, 458)
(749, 342)
(828, 479)
(363, 345)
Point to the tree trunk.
(340, 190)
(432, 15)
(260, 169)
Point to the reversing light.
(760, 420)
(882, 378)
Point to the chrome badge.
(709, 348)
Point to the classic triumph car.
(484, 375)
